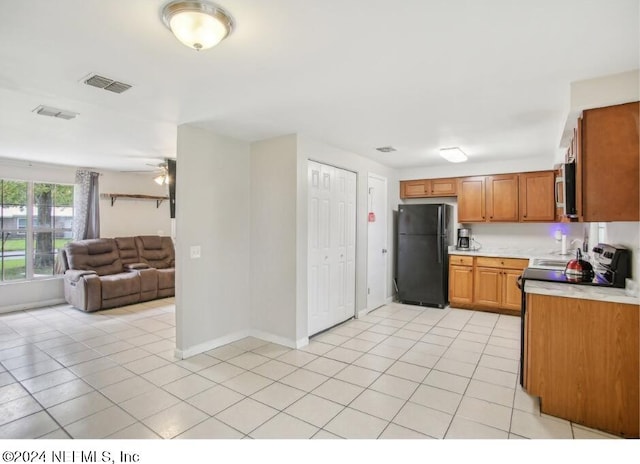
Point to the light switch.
(194, 251)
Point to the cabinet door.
(487, 287)
(471, 196)
(502, 198)
(415, 188)
(511, 294)
(460, 284)
(610, 163)
(443, 187)
(537, 196)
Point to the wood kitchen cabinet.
(425, 188)
(537, 196)
(471, 199)
(460, 280)
(495, 283)
(415, 188)
(608, 164)
(485, 283)
(581, 358)
(444, 187)
(502, 198)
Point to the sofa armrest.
(75, 275)
(135, 266)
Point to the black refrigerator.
(422, 267)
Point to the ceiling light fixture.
(197, 24)
(453, 155)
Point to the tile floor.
(399, 372)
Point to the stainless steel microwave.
(566, 190)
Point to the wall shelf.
(114, 196)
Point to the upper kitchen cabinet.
(425, 188)
(471, 199)
(608, 164)
(536, 192)
(444, 187)
(502, 198)
(415, 188)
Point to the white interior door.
(331, 244)
(377, 248)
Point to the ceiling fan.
(161, 172)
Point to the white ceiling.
(489, 76)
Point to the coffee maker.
(464, 239)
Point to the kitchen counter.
(523, 253)
(584, 292)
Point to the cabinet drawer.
(461, 260)
(510, 263)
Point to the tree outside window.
(35, 221)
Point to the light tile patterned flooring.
(399, 372)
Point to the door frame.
(386, 236)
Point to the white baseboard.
(389, 299)
(362, 313)
(211, 344)
(269, 337)
(266, 336)
(34, 305)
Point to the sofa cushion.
(166, 278)
(157, 252)
(100, 255)
(128, 250)
(117, 285)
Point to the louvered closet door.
(331, 234)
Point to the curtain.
(86, 207)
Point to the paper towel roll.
(564, 245)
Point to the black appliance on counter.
(611, 268)
(422, 256)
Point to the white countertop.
(584, 292)
(523, 253)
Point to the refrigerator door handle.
(440, 247)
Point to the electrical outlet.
(194, 251)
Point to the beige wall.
(212, 212)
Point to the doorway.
(377, 246)
(331, 271)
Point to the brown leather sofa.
(108, 272)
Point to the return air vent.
(105, 83)
(55, 112)
(386, 149)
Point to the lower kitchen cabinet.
(460, 280)
(581, 358)
(486, 283)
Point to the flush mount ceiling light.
(197, 24)
(453, 155)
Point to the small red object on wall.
(372, 217)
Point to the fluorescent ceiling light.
(453, 155)
(197, 24)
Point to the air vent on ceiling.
(105, 83)
(386, 149)
(54, 112)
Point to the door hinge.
(368, 291)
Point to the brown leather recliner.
(105, 273)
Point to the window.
(35, 221)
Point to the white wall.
(125, 218)
(132, 216)
(212, 212)
(273, 239)
(543, 162)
